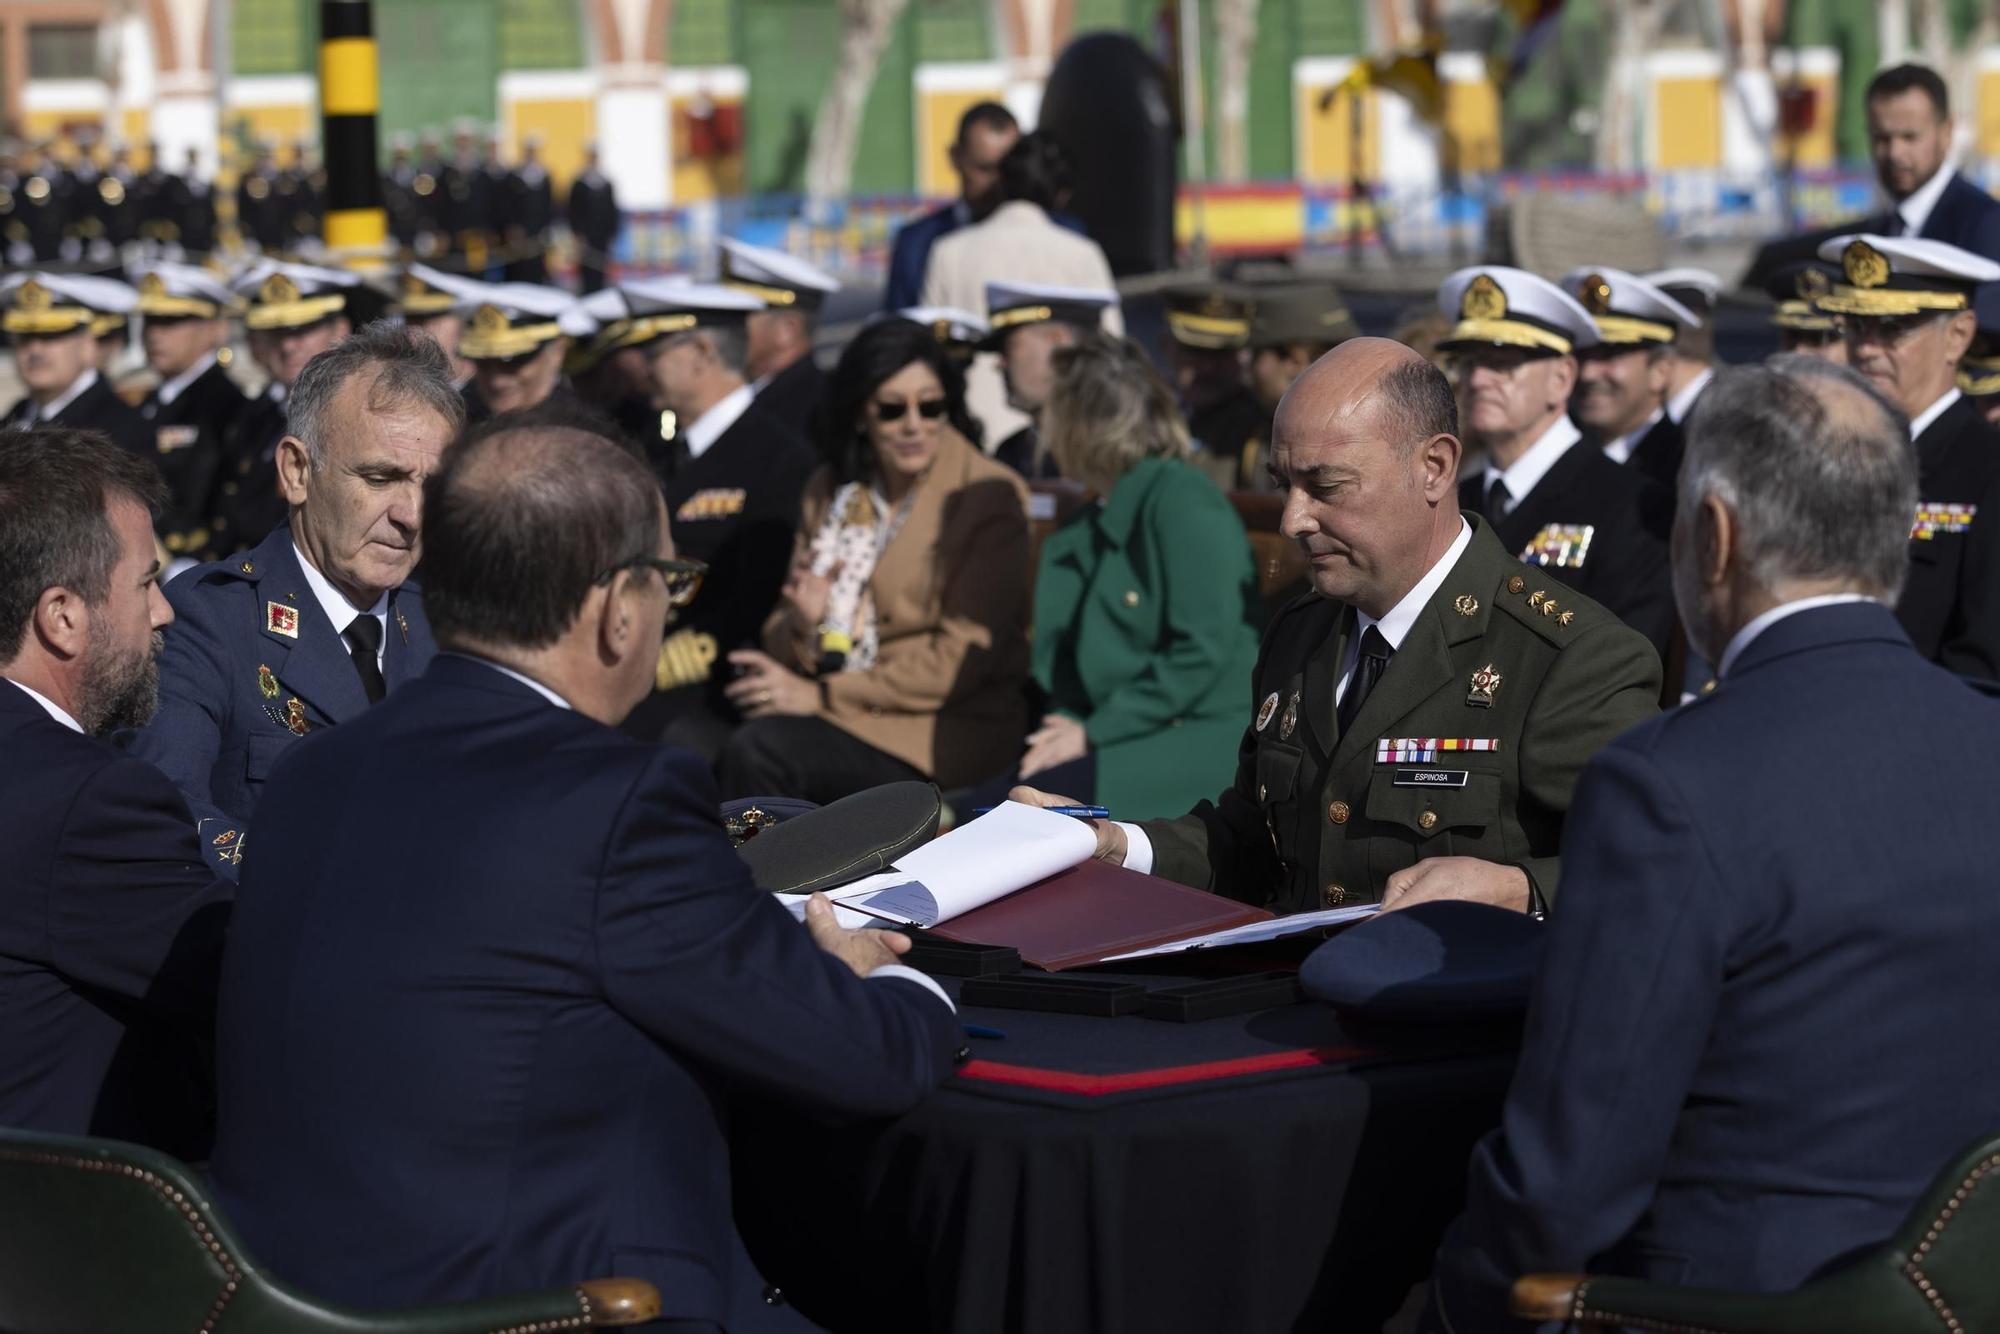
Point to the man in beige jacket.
(1017, 241)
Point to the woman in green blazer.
(1143, 631)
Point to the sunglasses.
(930, 410)
(682, 577)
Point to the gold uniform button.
(1131, 597)
(1428, 820)
(1516, 584)
(1332, 895)
(1338, 812)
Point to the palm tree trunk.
(866, 27)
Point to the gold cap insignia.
(414, 286)
(1483, 300)
(33, 296)
(278, 290)
(1813, 284)
(1864, 265)
(490, 320)
(1595, 294)
(152, 285)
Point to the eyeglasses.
(1885, 328)
(930, 410)
(682, 577)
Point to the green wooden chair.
(1940, 1274)
(99, 1237)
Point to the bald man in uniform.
(1419, 718)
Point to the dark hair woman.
(899, 648)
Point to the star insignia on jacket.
(1484, 682)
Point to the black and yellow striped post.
(350, 93)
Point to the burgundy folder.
(1090, 912)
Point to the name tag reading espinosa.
(1426, 750)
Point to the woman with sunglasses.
(1144, 602)
(899, 649)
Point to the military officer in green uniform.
(1419, 719)
(1209, 327)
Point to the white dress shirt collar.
(1742, 638)
(55, 710)
(528, 681)
(338, 609)
(1534, 462)
(1397, 622)
(1930, 414)
(67, 397)
(1916, 210)
(174, 388)
(1620, 449)
(704, 430)
(1681, 404)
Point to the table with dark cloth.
(1276, 1171)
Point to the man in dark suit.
(591, 210)
(196, 199)
(321, 619)
(532, 211)
(195, 403)
(51, 319)
(533, 1026)
(1552, 500)
(733, 476)
(1910, 133)
(787, 381)
(1906, 315)
(110, 922)
(1350, 785)
(1718, 1085)
(985, 132)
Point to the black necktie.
(1497, 498)
(364, 643)
(1368, 669)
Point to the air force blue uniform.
(251, 665)
(1763, 1013)
(493, 1050)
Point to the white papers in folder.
(1009, 848)
(1274, 929)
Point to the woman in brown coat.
(900, 647)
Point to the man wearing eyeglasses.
(534, 1011)
(1905, 312)
(321, 619)
(1553, 500)
(733, 475)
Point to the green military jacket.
(1143, 631)
(1504, 688)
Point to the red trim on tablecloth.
(1071, 1081)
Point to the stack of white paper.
(1009, 848)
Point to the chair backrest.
(1281, 566)
(98, 1237)
(1950, 1241)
